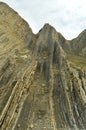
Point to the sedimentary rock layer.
(42, 77)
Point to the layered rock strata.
(42, 77)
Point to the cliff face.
(42, 77)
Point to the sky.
(66, 16)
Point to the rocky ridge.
(42, 77)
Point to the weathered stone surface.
(42, 85)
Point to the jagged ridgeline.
(42, 77)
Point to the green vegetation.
(78, 61)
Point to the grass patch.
(78, 61)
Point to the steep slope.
(14, 31)
(78, 45)
(42, 87)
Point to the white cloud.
(68, 17)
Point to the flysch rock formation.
(42, 77)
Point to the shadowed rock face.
(42, 77)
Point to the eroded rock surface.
(42, 85)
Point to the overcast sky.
(67, 16)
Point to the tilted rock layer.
(42, 77)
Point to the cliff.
(42, 77)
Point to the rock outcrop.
(42, 77)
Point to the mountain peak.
(82, 33)
(5, 5)
(1, 3)
(47, 25)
